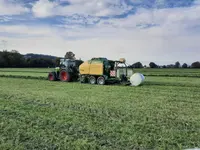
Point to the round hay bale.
(137, 79)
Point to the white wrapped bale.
(137, 79)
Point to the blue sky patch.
(81, 18)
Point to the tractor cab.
(66, 63)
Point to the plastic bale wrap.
(137, 79)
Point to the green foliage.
(38, 114)
(15, 59)
(11, 59)
(184, 65)
(153, 65)
(137, 65)
(195, 64)
(177, 65)
(39, 62)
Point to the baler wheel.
(92, 80)
(101, 80)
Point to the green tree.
(177, 65)
(137, 65)
(195, 64)
(153, 65)
(184, 65)
(11, 59)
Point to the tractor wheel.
(92, 80)
(52, 76)
(101, 80)
(65, 76)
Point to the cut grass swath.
(25, 77)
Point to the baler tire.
(65, 76)
(92, 80)
(52, 76)
(101, 80)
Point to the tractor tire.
(101, 80)
(65, 76)
(52, 76)
(92, 80)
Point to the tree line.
(177, 64)
(13, 59)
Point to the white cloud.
(45, 8)
(19, 30)
(8, 8)
(136, 45)
(116, 38)
(140, 47)
(5, 19)
(164, 17)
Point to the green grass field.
(37, 73)
(146, 71)
(163, 113)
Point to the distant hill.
(31, 55)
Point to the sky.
(160, 31)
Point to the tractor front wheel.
(52, 76)
(65, 76)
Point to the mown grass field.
(163, 113)
(146, 71)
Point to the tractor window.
(112, 64)
(66, 63)
(62, 62)
(96, 61)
